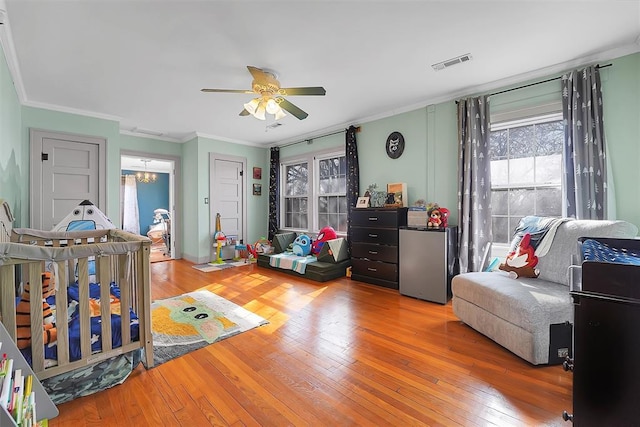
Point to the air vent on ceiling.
(451, 62)
(274, 125)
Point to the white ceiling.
(144, 62)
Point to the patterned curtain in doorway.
(584, 145)
(474, 186)
(274, 192)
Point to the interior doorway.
(148, 201)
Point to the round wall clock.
(395, 145)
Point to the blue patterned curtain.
(353, 176)
(584, 147)
(474, 187)
(274, 192)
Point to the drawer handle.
(373, 218)
(372, 269)
(373, 235)
(373, 252)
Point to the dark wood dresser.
(374, 245)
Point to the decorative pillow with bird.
(522, 261)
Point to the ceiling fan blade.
(289, 107)
(228, 90)
(256, 73)
(244, 112)
(316, 90)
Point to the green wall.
(621, 99)
(428, 164)
(14, 184)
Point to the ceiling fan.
(271, 100)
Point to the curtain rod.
(537, 83)
(309, 140)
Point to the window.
(314, 192)
(332, 193)
(526, 172)
(296, 199)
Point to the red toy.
(325, 234)
(438, 217)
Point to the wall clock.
(395, 145)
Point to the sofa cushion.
(282, 240)
(526, 302)
(334, 250)
(564, 250)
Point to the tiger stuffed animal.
(23, 316)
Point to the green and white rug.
(190, 321)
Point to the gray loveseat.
(532, 317)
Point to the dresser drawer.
(375, 252)
(375, 269)
(374, 218)
(382, 236)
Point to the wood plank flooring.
(334, 354)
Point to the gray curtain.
(474, 186)
(584, 147)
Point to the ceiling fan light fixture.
(272, 106)
(280, 113)
(252, 106)
(260, 112)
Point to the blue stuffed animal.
(302, 245)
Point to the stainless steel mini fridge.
(427, 262)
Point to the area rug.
(210, 266)
(191, 321)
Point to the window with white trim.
(314, 192)
(526, 172)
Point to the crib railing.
(116, 256)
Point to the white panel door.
(227, 196)
(69, 176)
(66, 170)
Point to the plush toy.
(522, 261)
(437, 217)
(325, 234)
(302, 245)
(23, 314)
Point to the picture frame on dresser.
(363, 202)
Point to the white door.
(227, 196)
(66, 170)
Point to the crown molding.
(221, 138)
(70, 110)
(145, 135)
(6, 41)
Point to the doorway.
(148, 201)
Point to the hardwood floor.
(333, 354)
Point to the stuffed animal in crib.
(522, 261)
(23, 314)
(302, 245)
(325, 234)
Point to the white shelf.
(45, 408)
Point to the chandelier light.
(146, 177)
